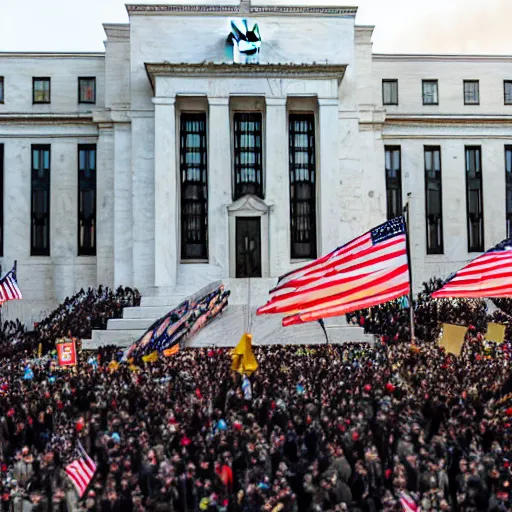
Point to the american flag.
(81, 471)
(408, 504)
(489, 275)
(367, 271)
(9, 289)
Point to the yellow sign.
(495, 332)
(243, 357)
(151, 358)
(452, 338)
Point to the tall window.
(390, 92)
(41, 90)
(1, 199)
(508, 189)
(87, 90)
(507, 91)
(471, 92)
(87, 200)
(302, 185)
(40, 205)
(2, 89)
(433, 200)
(430, 92)
(393, 181)
(474, 198)
(248, 154)
(194, 187)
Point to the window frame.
(2, 88)
(236, 166)
(85, 102)
(505, 83)
(432, 149)
(480, 248)
(41, 79)
(389, 81)
(204, 258)
(87, 251)
(467, 82)
(400, 184)
(313, 168)
(40, 147)
(427, 81)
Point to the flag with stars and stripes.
(9, 289)
(367, 271)
(489, 275)
(81, 470)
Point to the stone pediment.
(249, 203)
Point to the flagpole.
(408, 248)
(322, 325)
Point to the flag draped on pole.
(81, 471)
(489, 275)
(408, 504)
(243, 360)
(9, 289)
(367, 271)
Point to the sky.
(402, 26)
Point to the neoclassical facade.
(174, 159)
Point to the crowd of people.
(390, 427)
(76, 317)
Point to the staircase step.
(119, 338)
(171, 301)
(120, 324)
(146, 312)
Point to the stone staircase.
(225, 330)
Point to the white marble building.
(193, 168)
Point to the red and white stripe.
(9, 289)
(489, 275)
(408, 504)
(358, 275)
(81, 471)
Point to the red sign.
(66, 353)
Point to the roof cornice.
(420, 57)
(242, 9)
(475, 119)
(52, 55)
(46, 119)
(311, 71)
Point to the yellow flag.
(113, 366)
(168, 352)
(495, 332)
(151, 358)
(243, 357)
(452, 338)
(40, 350)
(134, 368)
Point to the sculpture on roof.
(246, 39)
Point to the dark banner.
(180, 323)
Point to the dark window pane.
(41, 90)
(507, 85)
(1, 89)
(40, 201)
(302, 185)
(248, 155)
(87, 90)
(471, 92)
(390, 92)
(194, 187)
(433, 200)
(86, 200)
(430, 92)
(474, 197)
(393, 182)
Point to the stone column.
(219, 182)
(166, 204)
(123, 225)
(329, 194)
(277, 185)
(105, 206)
